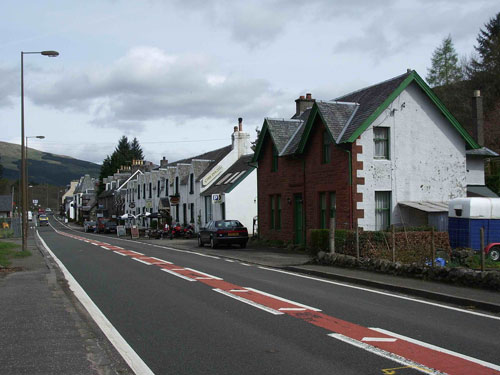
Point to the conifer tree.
(445, 67)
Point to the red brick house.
(366, 159)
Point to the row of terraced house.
(387, 154)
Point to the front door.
(298, 219)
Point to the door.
(298, 219)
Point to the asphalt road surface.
(184, 312)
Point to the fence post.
(332, 235)
(393, 243)
(482, 249)
(357, 242)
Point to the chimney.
(240, 124)
(235, 129)
(163, 163)
(240, 140)
(477, 117)
(303, 103)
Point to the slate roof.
(337, 115)
(5, 203)
(282, 131)
(369, 99)
(216, 156)
(232, 177)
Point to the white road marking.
(142, 261)
(161, 260)
(129, 355)
(178, 275)
(123, 255)
(239, 290)
(292, 309)
(229, 260)
(207, 256)
(203, 273)
(135, 252)
(382, 293)
(385, 354)
(251, 303)
(246, 264)
(283, 299)
(378, 339)
(439, 349)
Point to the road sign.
(35, 201)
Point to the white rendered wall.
(475, 170)
(427, 157)
(241, 202)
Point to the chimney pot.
(308, 96)
(235, 129)
(303, 103)
(478, 117)
(409, 70)
(240, 124)
(302, 97)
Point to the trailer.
(466, 217)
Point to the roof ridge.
(291, 138)
(374, 85)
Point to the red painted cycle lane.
(429, 359)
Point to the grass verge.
(8, 250)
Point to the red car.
(493, 251)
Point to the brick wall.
(306, 175)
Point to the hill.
(44, 167)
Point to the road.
(183, 312)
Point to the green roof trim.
(414, 77)
(260, 142)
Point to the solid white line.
(207, 256)
(292, 309)
(129, 355)
(203, 273)
(385, 354)
(178, 275)
(251, 303)
(378, 339)
(123, 255)
(177, 269)
(161, 260)
(439, 349)
(382, 293)
(246, 264)
(229, 260)
(142, 261)
(283, 299)
(239, 291)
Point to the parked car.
(110, 227)
(43, 220)
(89, 226)
(30, 216)
(226, 232)
(48, 211)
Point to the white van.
(30, 216)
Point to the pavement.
(45, 330)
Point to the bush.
(154, 224)
(319, 240)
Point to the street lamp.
(24, 203)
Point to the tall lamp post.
(27, 166)
(24, 203)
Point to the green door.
(298, 219)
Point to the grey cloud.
(157, 86)
(9, 85)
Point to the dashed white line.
(142, 261)
(178, 275)
(283, 299)
(123, 255)
(203, 273)
(438, 349)
(251, 303)
(229, 260)
(161, 260)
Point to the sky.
(178, 74)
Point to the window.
(333, 205)
(144, 191)
(322, 210)
(275, 212)
(326, 151)
(272, 211)
(278, 212)
(159, 189)
(382, 210)
(208, 209)
(191, 183)
(381, 140)
(150, 190)
(223, 210)
(177, 213)
(184, 214)
(176, 191)
(138, 191)
(191, 209)
(166, 187)
(274, 166)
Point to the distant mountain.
(44, 167)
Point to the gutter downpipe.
(350, 188)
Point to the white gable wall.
(427, 159)
(241, 202)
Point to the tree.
(445, 67)
(136, 150)
(488, 47)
